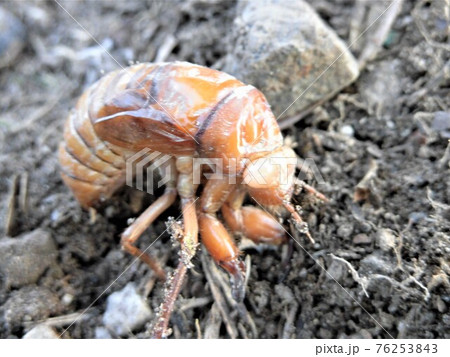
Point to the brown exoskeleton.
(189, 112)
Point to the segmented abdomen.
(91, 167)
(100, 134)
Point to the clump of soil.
(379, 267)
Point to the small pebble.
(347, 130)
(416, 217)
(381, 99)
(386, 239)
(441, 124)
(365, 334)
(303, 273)
(102, 333)
(126, 311)
(284, 292)
(365, 227)
(25, 258)
(67, 299)
(337, 270)
(446, 319)
(41, 331)
(441, 306)
(345, 230)
(12, 35)
(386, 320)
(362, 334)
(362, 239)
(376, 263)
(325, 333)
(30, 303)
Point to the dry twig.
(363, 281)
(218, 298)
(11, 206)
(377, 37)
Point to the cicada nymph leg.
(302, 185)
(215, 237)
(135, 230)
(189, 242)
(252, 222)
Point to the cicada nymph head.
(270, 179)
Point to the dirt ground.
(380, 264)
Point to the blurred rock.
(30, 303)
(25, 258)
(347, 130)
(325, 333)
(67, 299)
(282, 48)
(362, 239)
(376, 263)
(37, 16)
(381, 87)
(440, 305)
(337, 270)
(362, 334)
(12, 35)
(441, 124)
(41, 331)
(345, 230)
(386, 239)
(102, 333)
(126, 311)
(285, 293)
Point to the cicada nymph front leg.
(189, 242)
(217, 240)
(252, 222)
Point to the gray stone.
(347, 130)
(382, 99)
(12, 35)
(441, 124)
(40, 332)
(284, 293)
(440, 305)
(386, 239)
(362, 239)
(345, 230)
(126, 311)
(282, 48)
(376, 263)
(337, 270)
(102, 333)
(362, 334)
(25, 258)
(30, 303)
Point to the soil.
(380, 264)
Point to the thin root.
(175, 283)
